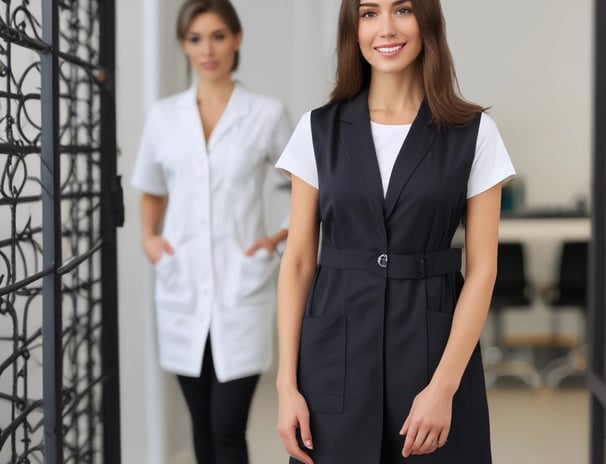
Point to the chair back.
(511, 287)
(572, 281)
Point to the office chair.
(570, 291)
(511, 290)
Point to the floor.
(527, 427)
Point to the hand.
(428, 422)
(154, 246)
(263, 242)
(293, 414)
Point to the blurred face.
(211, 46)
(388, 35)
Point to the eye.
(194, 39)
(368, 14)
(403, 11)
(219, 36)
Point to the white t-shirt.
(491, 163)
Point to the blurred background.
(530, 62)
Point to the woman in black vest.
(379, 354)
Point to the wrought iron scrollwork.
(25, 221)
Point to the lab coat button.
(382, 260)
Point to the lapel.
(189, 118)
(359, 146)
(357, 138)
(420, 138)
(237, 107)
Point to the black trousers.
(219, 413)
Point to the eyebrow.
(223, 29)
(396, 3)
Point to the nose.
(387, 27)
(206, 47)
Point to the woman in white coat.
(202, 165)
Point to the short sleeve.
(148, 175)
(491, 163)
(280, 134)
(298, 157)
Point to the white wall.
(135, 442)
(148, 67)
(287, 50)
(530, 61)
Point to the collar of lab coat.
(237, 107)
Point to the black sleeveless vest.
(381, 304)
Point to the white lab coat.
(216, 210)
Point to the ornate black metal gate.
(60, 202)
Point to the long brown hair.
(447, 107)
(223, 8)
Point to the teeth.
(389, 49)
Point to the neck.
(214, 91)
(395, 97)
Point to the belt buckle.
(382, 260)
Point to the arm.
(296, 274)
(428, 423)
(153, 208)
(481, 240)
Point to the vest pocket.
(322, 363)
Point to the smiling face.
(211, 46)
(388, 35)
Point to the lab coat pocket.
(256, 276)
(173, 291)
(322, 363)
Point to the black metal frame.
(59, 377)
(597, 289)
(112, 216)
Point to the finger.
(404, 429)
(289, 439)
(305, 431)
(294, 450)
(269, 247)
(442, 438)
(429, 445)
(168, 248)
(420, 439)
(411, 434)
(251, 251)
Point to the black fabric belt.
(391, 265)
